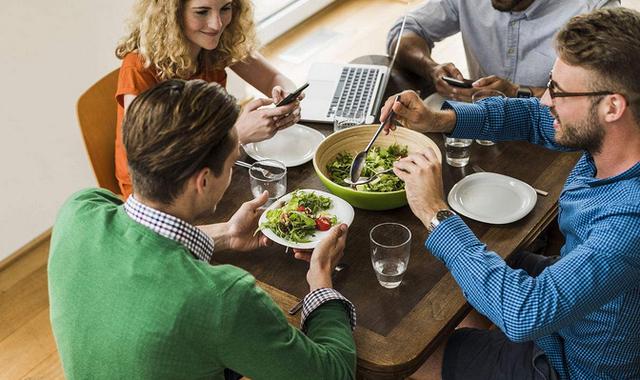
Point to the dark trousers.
(488, 354)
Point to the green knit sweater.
(129, 303)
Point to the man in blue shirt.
(508, 43)
(580, 314)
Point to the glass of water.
(390, 251)
(345, 119)
(270, 175)
(483, 94)
(457, 151)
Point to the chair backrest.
(97, 111)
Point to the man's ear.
(616, 105)
(203, 180)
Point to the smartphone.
(292, 96)
(465, 83)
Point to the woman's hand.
(277, 94)
(256, 123)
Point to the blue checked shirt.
(201, 247)
(584, 310)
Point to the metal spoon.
(358, 160)
(365, 180)
(339, 268)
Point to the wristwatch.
(524, 92)
(438, 218)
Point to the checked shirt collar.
(200, 245)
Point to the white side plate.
(292, 146)
(492, 198)
(341, 209)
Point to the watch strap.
(438, 218)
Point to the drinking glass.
(390, 251)
(270, 175)
(345, 119)
(457, 151)
(483, 94)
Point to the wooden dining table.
(397, 329)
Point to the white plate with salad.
(292, 146)
(302, 218)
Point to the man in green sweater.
(131, 289)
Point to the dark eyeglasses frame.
(552, 85)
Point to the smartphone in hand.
(292, 96)
(465, 83)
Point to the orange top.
(134, 79)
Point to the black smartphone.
(292, 96)
(465, 83)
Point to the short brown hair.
(606, 41)
(175, 129)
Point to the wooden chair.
(96, 110)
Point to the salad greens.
(300, 217)
(378, 159)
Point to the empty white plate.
(292, 146)
(492, 198)
(341, 209)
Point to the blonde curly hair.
(157, 35)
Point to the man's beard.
(505, 5)
(586, 134)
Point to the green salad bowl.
(353, 140)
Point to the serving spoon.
(358, 160)
(365, 180)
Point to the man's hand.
(256, 123)
(323, 259)
(496, 83)
(422, 174)
(445, 89)
(238, 233)
(412, 113)
(243, 224)
(409, 110)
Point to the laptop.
(346, 89)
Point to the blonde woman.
(198, 39)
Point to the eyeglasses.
(553, 88)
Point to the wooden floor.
(27, 347)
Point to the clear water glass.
(270, 175)
(346, 119)
(390, 251)
(457, 151)
(483, 94)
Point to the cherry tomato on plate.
(323, 223)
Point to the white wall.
(51, 52)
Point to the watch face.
(444, 214)
(524, 92)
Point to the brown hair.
(606, 41)
(156, 33)
(175, 129)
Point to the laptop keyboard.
(354, 91)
